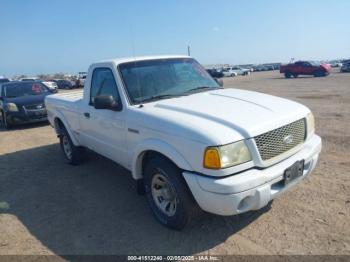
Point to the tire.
(295, 75)
(233, 75)
(167, 193)
(319, 74)
(287, 74)
(4, 124)
(73, 154)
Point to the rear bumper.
(252, 189)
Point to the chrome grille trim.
(274, 143)
(34, 107)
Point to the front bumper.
(25, 117)
(252, 189)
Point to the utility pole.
(189, 50)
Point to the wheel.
(295, 75)
(167, 193)
(4, 124)
(319, 73)
(233, 75)
(287, 74)
(73, 154)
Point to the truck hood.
(222, 116)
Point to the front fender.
(161, 147)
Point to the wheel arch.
(59, 123)
(151, 148)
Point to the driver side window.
(103, 83)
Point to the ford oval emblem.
(288, 139)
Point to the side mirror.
(219, 81)
(106, 102)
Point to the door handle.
(87, 115)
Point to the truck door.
(308, 68)
(104, 130)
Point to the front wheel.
(3, 120)
(319, 74)
(167, 193)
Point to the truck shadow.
(94, 209)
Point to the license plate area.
(293, 172)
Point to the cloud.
(216, 29)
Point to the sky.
(41, 36)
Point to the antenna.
(189, 50)
(132, 40)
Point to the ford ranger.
(187, 141)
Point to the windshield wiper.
(158, 97)
(200, 88)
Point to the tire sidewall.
(4, 123)
(173, 175)
(62, 136)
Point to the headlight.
(310, 122)
(226, 156)
(12, 107)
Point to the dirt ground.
(49, 207)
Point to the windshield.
(314, 63)
(24, 89)
(164, 78)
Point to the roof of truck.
(118, 61)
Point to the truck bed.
(69, 96)
(66, 104)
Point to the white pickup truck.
(187, 141)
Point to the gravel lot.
(49, 207)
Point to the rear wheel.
(167, 193)
(287, 74)
(233, 75)
(73, 154)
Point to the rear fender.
(61, 117)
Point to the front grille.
(34, 107)
(280, 140)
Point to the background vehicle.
(305, 68)
(4, 80)
(215, 73)
(22, 102)
(34, 78)
(177, 130)
(50, 85)
(240, 71)
(64, 84)
(81, 79)
(345, 67)
(258, 68)
(229, 72)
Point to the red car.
(305, 68)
